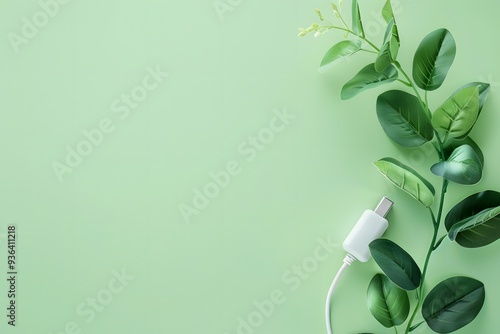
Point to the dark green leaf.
(452, 143)
(457, 115)
(463, 166)
(388, 303)
(407, 179)
(367, 78)
(403, 118)
(433, 59)
(339, 51)
(357, 25)
(453, 303)
(396, 263)
(475, 221)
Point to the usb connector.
(370, 226)
(384, 207)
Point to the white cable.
(348, 260)
(370, 226)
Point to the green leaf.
(452, 143)
(457, 115)
(367, 78)
(463, 166)
(390, 48)
(339, 51)
(453, 303)
(387, 11)
(408, 180)
(484, 89)
(357, 25)
(396, 263)
(403, 118)
(475, 221)
(433, 59)
(388, 303)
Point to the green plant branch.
(346, 29)
(407, 84)
(412, 85)
(438, 243)
(420, 290)
(440, 142)
(436, 222)
(370, 51)
(421, 125)
(342, 19)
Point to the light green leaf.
(483, 89)
(339, 51)
(403, 119)
(367, 78)
(357, 25)
(390, 48)
(453, 303)
(396, 263)
(463, 166)
(388, 303)
(387, 11)
(475, 221)
(408, 180)
(433, 59)
(457, 115)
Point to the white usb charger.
(370, 226)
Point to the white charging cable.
(370, 226)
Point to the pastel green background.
(119, 209)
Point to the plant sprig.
(408, 120)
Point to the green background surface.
(118, 210)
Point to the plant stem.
(424, 272)
(422, 103)
(432, 248)
(352, 32)
(370, 51)
(438, 243)
(407, 84)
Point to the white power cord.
(370, 226)
(348, 260)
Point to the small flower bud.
(318, 12)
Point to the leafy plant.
(409, 120)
